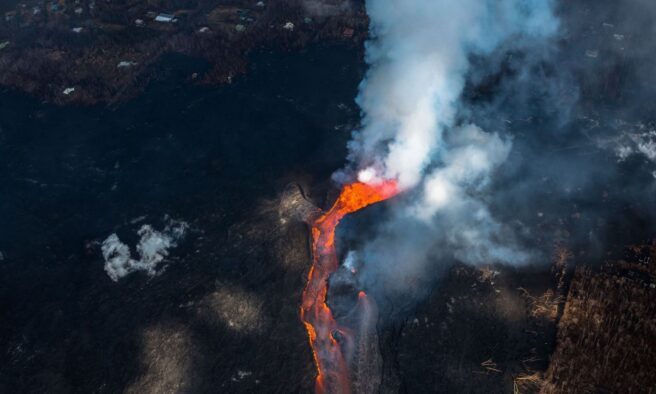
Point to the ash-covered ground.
(223, 315)
(220, 311)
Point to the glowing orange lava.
(333, 376)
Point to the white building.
(165, 18)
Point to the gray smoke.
(419, 56)
(512, 125)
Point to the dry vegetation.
(545, 306)
(544, 311)
(525, 383)
(607, 334)
(606, 338)
(51, 48)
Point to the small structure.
(68, 91)
(4, 45)
(204, 29)
(77, 30)
(288, 26)
(259, 4)
(79, 10)
(139, 22)
(240, 27)
(126, 63)
(592, 53)
(165, 18)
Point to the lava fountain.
(332, 369)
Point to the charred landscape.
(88, 52)
(330, 196)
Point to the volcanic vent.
(336, 347)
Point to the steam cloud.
(419, 56)
(490, 115)
(153, 248)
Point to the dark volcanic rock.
(473, 335)
(223, 314)
(103, 52)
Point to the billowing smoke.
(419, 56)
(153, 248)
(512, 125)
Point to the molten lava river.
(333, 374)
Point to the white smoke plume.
(414, 130)
(153, 248)
(418, 56)
(448, 221)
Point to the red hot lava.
(333, 375)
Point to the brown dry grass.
(544, 306)
(525, 383)
(562, 257)
(607, 335)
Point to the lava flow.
(333, 375)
